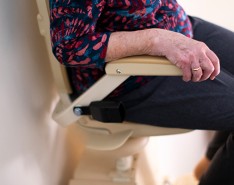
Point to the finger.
(196, 71)
(215, 61)
(207, 68)
(186, 71)
(187, 74)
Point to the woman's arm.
(76, 43)
(123, 44)
(184, 52)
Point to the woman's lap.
(171, 102)
(174, 103)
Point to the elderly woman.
(88, 33)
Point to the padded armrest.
(143, 65)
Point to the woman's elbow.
(71, 58)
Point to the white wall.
(219, 12)
(174, 156)
(32, 146)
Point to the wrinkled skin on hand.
(187, 54)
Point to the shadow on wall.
(33, 146)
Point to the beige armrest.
(143, 65)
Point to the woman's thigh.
(218, 39)
(171, 102)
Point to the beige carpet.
(187, 179)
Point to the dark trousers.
(218, 140)
(209, 105)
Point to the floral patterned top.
(80, 30)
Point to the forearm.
(123, 44)
(186, 53)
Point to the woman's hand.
(194, 58)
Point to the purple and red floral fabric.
(80, 30)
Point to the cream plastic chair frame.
(103, 136)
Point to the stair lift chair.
(112, 148)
